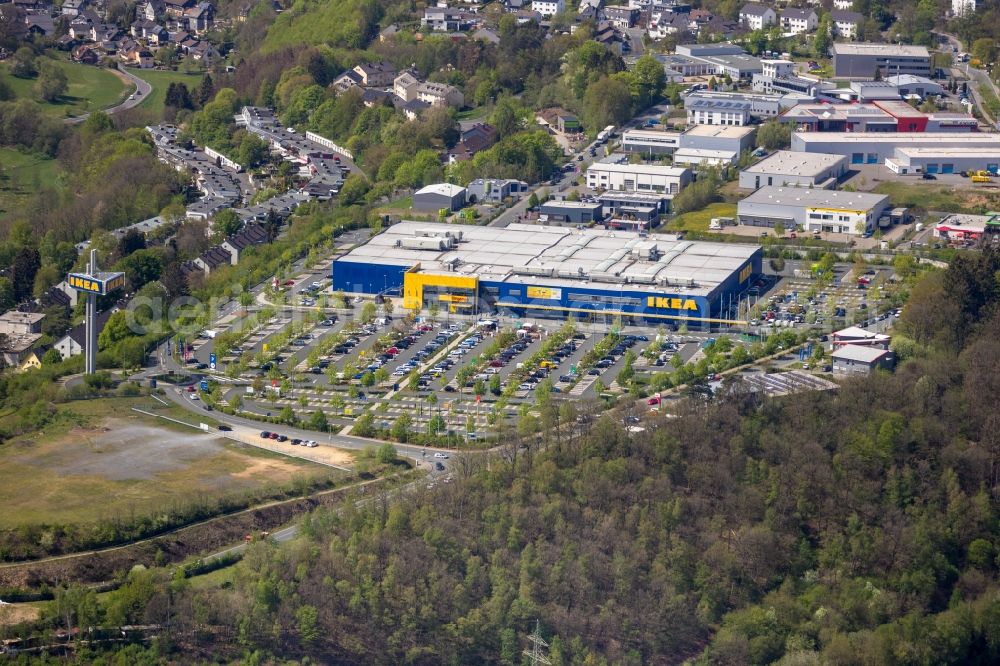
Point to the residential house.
(376, 74)
(250, 236)
(73, 7)
(175, 8)
(203, 51)
(756, 16)
(440, 94)
(798, 21)
(40, 25)
(79, 28)
(86, 54)
(139, 57)
(846, 24)
(42, 6)
(150, 10)
(199, 18)
(33, 360)
(621, 17)
(475, 138)
(843, 4)
(73, 342)
(405, 85)
(213, 258)
(346, 81)
(548, 7)
(388, 33)
(515, 6)
(446, 19)
(414, 108)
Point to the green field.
(21, 175)
(930, 197)
(90, 89)
(161, 80)
(698, 220)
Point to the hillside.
(339, 23)
(857, 526)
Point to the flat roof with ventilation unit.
(560, 256)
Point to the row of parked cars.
(294, 441)
(428, 350)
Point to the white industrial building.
(637, 177)
(787, 169)
(700, 144)
(876, 148)
(718, 112)
(829, 211)
(909, 161)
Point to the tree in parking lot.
(287, 415)
(368, 312)
(381, 375)
(317, 421)
(436, 425)
(479, 387)
(368, 379)
(495, 385)
(401, 430)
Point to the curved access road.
(142, 90)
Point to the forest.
(848, 527)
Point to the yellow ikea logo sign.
(86, 283)
(671, 303)
(746, 272)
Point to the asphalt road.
(142, 90)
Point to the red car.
(655, 400)
(496, 363)
(392, 351)
(190, 389)
(288, 283)
(274, 435)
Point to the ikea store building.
(540, 271)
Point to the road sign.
(274, 383)
(211, 361)
(572, 369)
(204, 385)
(478, 397)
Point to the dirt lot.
(124, 465)
(11, 614)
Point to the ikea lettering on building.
(558, 272)
(101, 283)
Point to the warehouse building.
(855, 335)
(863, 60)
(875, 148)
(920, 86)
(650, 142)
(761, 106)
(440, 196)
(830, 211)
(943, 160)
(787, 169)
(637, 177)
(861, 360)
(574, 212)
(552, 271)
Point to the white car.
(440, 455)
(311, 443)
